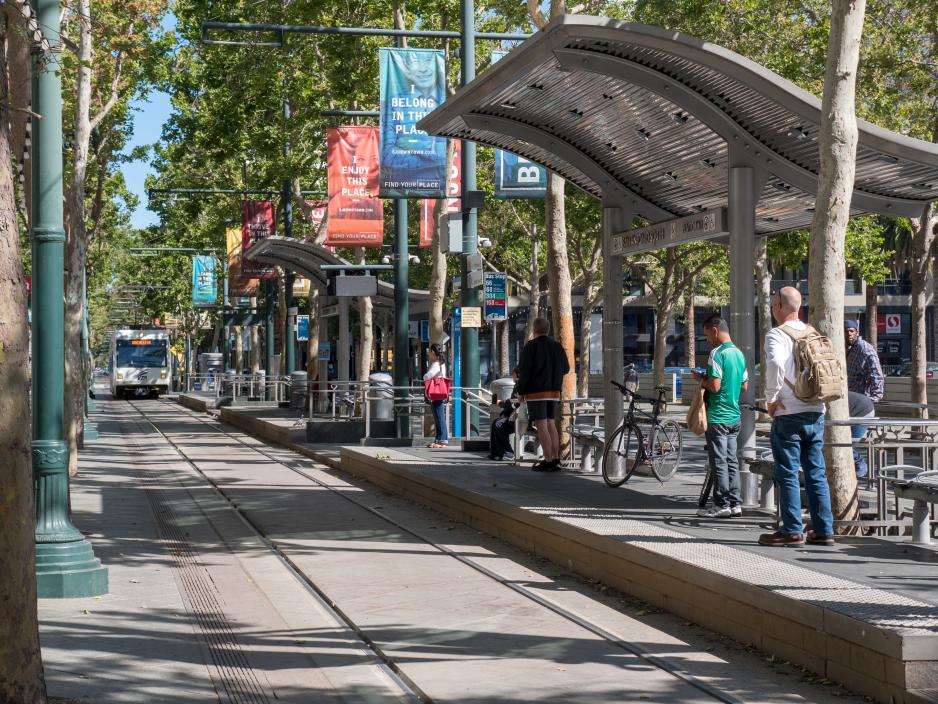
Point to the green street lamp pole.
(469, 296)
(65, 562)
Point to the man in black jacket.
(543, 366)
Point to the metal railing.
(336, 399)
(409, 402)
(255, 387)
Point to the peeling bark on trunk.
(665, 301)
(764, 299)
(561, 299)
(437, 286)
(20, 90)
(690, 323)
(504, 353)
(872, 313)
(826, 274)
(366, 328)
(534, 295)
(591, 297)
(21, 675)
(923, 239)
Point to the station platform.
(246, 571)
(864, 613)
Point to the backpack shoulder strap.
(796, 334)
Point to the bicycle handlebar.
(662, 390)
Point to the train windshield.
(141, 353)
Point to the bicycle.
(627, 447)
(707, 489)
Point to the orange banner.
(356, 215)
(257, 222)
(237, 284)
(427, 222)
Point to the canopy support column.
(745, 186)
(616, 219)
(342, 354)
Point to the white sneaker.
(736, 510)
(714, 512)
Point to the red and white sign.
(888, 323)
(356, 214)
(452, 203)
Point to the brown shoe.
(813, 539)
(781, 540)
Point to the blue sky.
(148, 122)
(149, 117)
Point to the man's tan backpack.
(819, 374)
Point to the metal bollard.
(749, 488)
(921, 524)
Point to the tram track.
(288, 460)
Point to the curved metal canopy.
(637, 114)
(306, 258)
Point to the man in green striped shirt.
(725, 378)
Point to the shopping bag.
(697, 413)
(437, 388)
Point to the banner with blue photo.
(515, 176)
(204, 286)
(413, 83)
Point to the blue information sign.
(496, 296)
(204, 288)
(302, 328)
(424, 330)
(413, 163)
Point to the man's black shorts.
(542, 410)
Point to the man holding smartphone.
(726, 376)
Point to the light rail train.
(139, 360)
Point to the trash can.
(227, 388)
(298, 390)
(382, 398)
(502, 388)
(256, 389)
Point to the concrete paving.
(431, 613)
(200, 609)
(871, 582)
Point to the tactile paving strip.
(235, 680)
(869, 604)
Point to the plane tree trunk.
(872, 313)
(21, 676)
(366, 332)
(837, 143)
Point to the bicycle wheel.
(620, 454)
(707, 488)
(664, 449)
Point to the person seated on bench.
(504, 426)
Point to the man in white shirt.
(797, 435)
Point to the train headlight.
(119, 376)
(162, 375)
